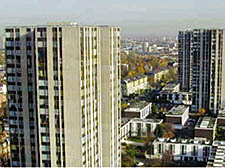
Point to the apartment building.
(138, 127)
(64, 91)
(204, 48)
(217, 155)
(184, 60)
(178, 116)
(139, 109)
(134, 85)
(172, 94)
(157, 75)
(206, 128)
(182, 149)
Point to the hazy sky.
(135, 17)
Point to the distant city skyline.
(139, 18)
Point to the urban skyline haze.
(136, 18)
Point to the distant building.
(134, 85)
(178, 116)
(206, 128)
(138, 127)
(139, 109)
(157, 75)
(145, 47)
(182, 149)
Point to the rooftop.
(206, 123)
(151, 121)
(136, 106)
(184, 141)
(157, 71)
(147, 120)
(171, 87)
(125, 121)
(177, 110)
(221, 113)
(134, 78)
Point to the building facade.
(182, 149)
(139, 109)
(177, 116)
(134, 85)
(184, 60)
(64, 95)
(137, 127)
(207, 56)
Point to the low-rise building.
(134, 85)
(217, 155)
(138, 127)
(177, 116)
(206, 128)
(182, 149)
(172, 87)
(172, 94)
(138, 110)
(176, 97)
(157, 74)
(221, 118)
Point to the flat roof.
(177, 110)
(148, 120)
(205, 123)
(221, 113)
(141, 76)
(136, 106)
(184, 141)
(170, 87)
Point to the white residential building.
(138, 110)
(178, 116)
(138, 127)
(182, 149)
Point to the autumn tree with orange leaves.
(202, 111)
(165, 130)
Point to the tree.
(151, 80)
(140, 69)
(154, 63)
(132, 152)
(159, 131)
(155, 109)
(163, 63)
(124, 105)
(167, 158)
(132, 73)
(127, 161)
(202, 111)
(165, 130)
(169, 131)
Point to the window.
(45, 138)
(183, 149)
